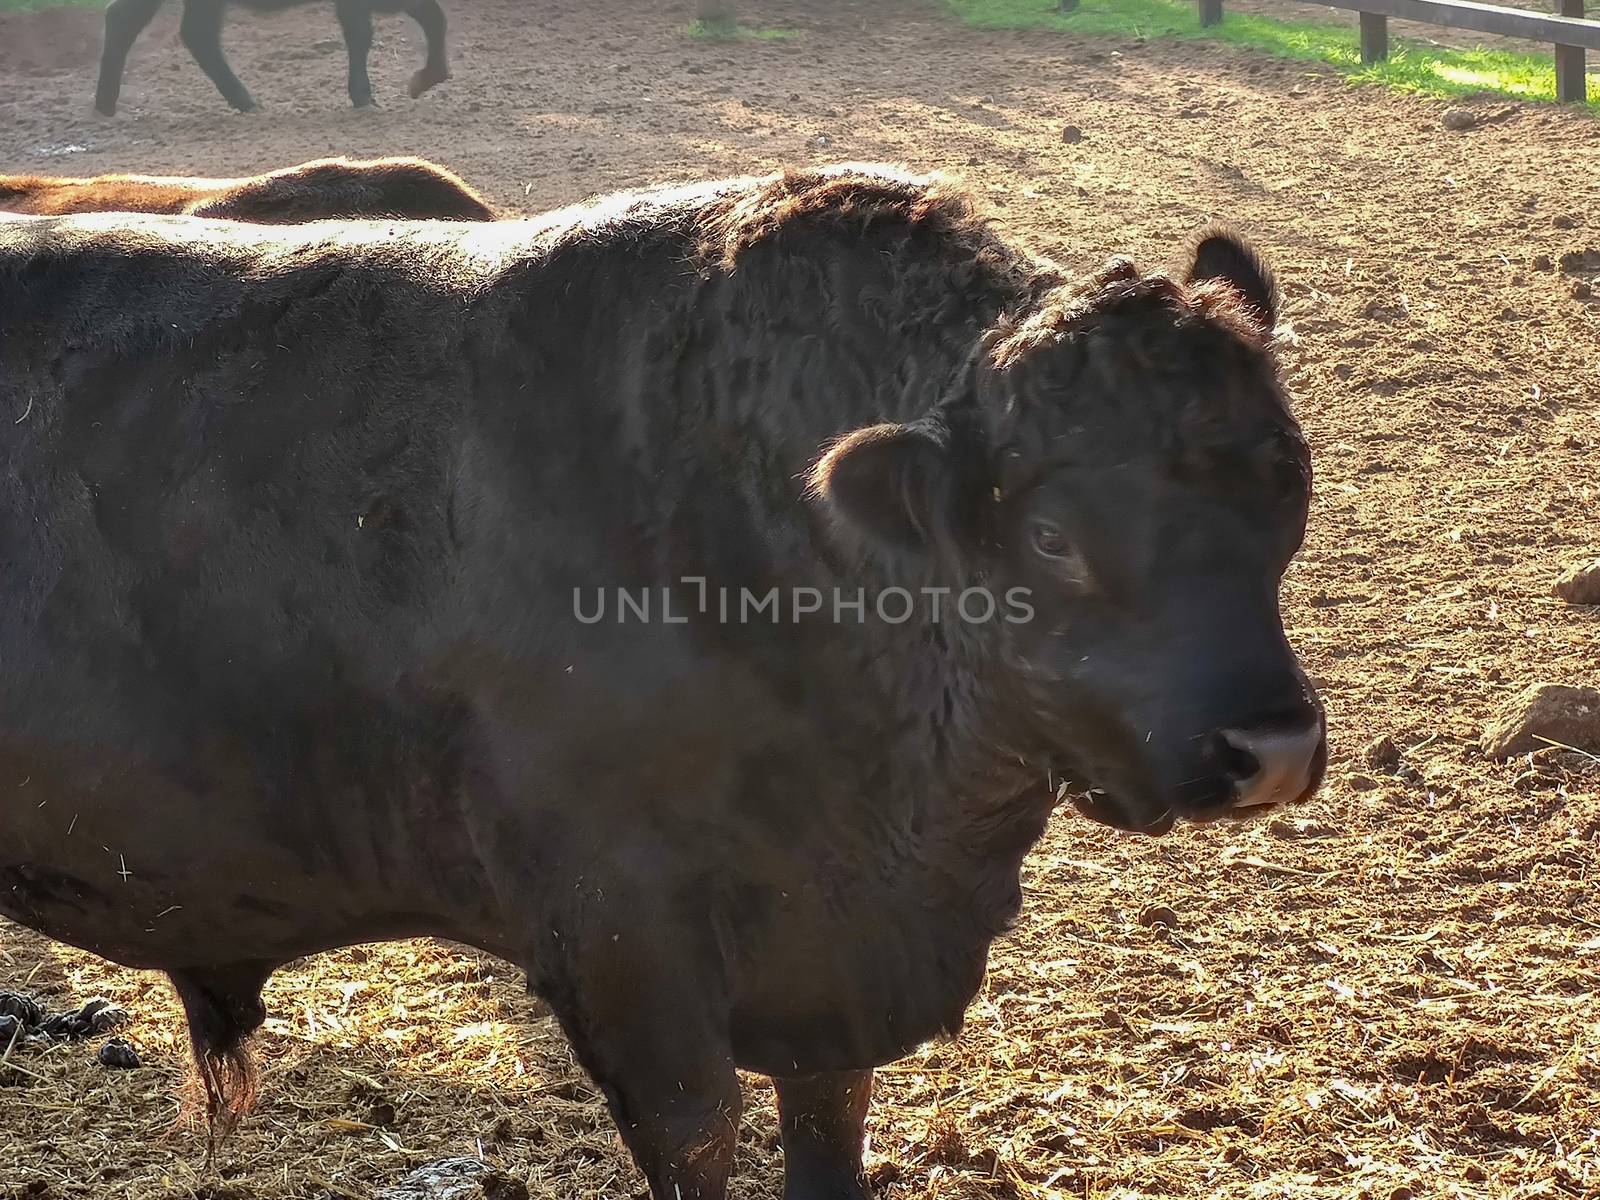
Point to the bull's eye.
(1050, 541)
(1289, 478)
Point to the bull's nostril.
(1237, 760)
(1269, 765)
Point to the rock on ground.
(1545, 713)
(1580, 585)
(455, 1179)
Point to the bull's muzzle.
(1272, 766)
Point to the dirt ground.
(1392, 992)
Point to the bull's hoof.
(423, 80)
(363, 103)
(105, 110)
(244, 104)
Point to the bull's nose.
(1271, 765)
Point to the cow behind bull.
(294, 521)
(326, 187)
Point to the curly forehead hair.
(1172, 362)
(1119, 291)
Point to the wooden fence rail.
(1566, 30)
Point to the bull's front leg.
(823, 1121)
(651, 1029)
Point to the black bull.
(305, 531)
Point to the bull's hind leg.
(355, 20)
(823, 1120)
(436, 67)
(125, 21)
(223, 1004)
(201, 33)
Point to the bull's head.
(1126, 454)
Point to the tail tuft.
(224, 1008)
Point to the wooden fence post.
(1570, 67)
(1211, 13)
(1567, 29)
(1375, 36)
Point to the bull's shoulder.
(856, 208)
(853, 202)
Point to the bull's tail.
(224, 1008)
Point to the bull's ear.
(1228, 258)
(895, 484)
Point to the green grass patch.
(1411, 66)
(726, 29)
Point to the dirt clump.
(1545, 716)
(1580, 584)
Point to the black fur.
(294, 518)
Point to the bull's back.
(224, 514)
(206, 403)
